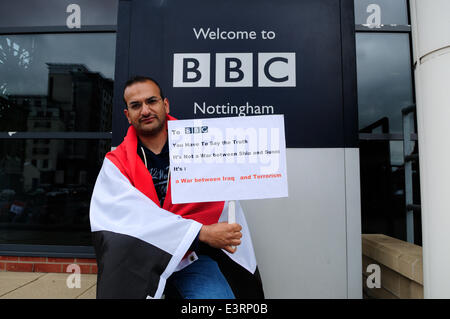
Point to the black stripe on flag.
(127, 266)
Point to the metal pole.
(232, 213)
(408, 148)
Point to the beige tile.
(89, 294)
(52, 286)
(10, 281)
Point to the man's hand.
(221, 235)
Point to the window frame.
(36, 250)
(391, 28)
(390, 137)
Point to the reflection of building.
(13, 116)
(40, 155)
(85, 100)
(84, 97)
(77, 100)
(10, 171)
(39, 115)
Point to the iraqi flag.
(139, 244)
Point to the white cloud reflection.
(24, 58)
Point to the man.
(142, 240)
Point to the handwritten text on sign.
(227, 159)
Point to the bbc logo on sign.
(196, 129)
(234, 70)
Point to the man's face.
(147, 112)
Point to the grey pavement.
(26, 285)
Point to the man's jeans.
(200, 280)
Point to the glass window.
(384, 79)
(45, 194)
(385, 88)
(65, 79)
(37, 13)
(389, 11)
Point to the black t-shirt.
(158, 166)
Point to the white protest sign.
(233, 158)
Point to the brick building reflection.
(77, 100)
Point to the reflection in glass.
(56, 82)
(391, 11)
(45, 190)
(383, 202)
(382, 191)
(384, 89)
(384, 78)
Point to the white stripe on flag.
(244, 254)
(119, 207)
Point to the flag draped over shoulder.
(139, 244)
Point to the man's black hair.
(141, 79)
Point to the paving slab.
(10, 281)
(51, 286)
(89, 294)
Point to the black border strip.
(349, 79)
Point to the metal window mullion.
(408, 149)
(385, 136)
(383, 28)
(62, 251)
(57, 29)
(56, 135)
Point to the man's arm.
(221, 235)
